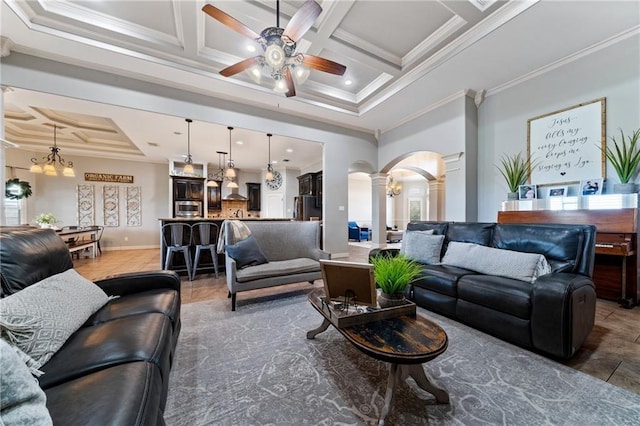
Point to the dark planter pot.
(388, 300)
(512, 196)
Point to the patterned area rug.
(256, 367)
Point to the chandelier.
(231, 171)
(269, 175)
(188, 168)
(219, 174)
(52, 162)
(393, 187)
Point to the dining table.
(80, 238)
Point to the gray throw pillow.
(246, 253)
(40, 318)
(492, 261)
(22, 401)
(422, 246)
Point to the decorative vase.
(511, 196)
(388, 300)
(46, 225)
(625, 188)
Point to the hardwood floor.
(611, 352)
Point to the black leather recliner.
(115, 369)
(554, 315)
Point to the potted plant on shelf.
(46, 220)
(625, 159)
(393, 274)
(515, 170)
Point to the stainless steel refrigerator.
(305, 208)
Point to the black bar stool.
(177, 238)
(205, 237)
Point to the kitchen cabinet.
(188, 189)
(253, 195)
(214, 197)
(319, 190)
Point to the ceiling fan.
(279, 47)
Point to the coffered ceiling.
(402, 57)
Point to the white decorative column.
(436, 200)
(379, 209)
(3, 162)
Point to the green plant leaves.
(393, 274)
(624, 157)
(515, 170)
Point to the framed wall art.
(527, 192)
(568, 145)
(591, 186)
(110, 202)
(558, 191)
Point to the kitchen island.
(206, 263)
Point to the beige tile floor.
(611, 352)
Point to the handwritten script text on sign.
(565, 146)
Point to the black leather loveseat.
(553, 315)
(114, 369)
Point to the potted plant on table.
(625, 159)
(46, 220)
(393, 274)
(515, 170)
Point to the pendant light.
(52, 162)
(231, 171)
(188, 168)
(269, 175)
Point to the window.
(415, 209)
(13, 211)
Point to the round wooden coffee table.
(406, 342)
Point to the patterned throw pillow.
(22, 402)
(40, 318)
(422, 246)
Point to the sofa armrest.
(136, 282)
(563, 312)
(323, 255)
(230, 271)
(384, 252)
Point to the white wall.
(58, 195)
(360, 199)
(446, 130)
(613, 72)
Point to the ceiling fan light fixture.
(301, 74)
(274, 56)
(255, 72)
(281, 86)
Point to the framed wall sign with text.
(568, 145)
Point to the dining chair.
(177, 239)
(204, 236)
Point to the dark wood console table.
(615, 271)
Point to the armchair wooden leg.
(233, 301)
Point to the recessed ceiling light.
(251, 48)
(289, 150)
(348, 82)
(239, 142)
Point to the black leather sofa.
(553, 315)
(115, 369)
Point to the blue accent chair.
(358, 233)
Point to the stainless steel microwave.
(188, 209)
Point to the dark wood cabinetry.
(311, 184)
(188, 189)
(214, 197)
(253, 195)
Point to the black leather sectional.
(553, 315)
(115, 369)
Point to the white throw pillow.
(40, 318)
(422, 246)
(492, 261)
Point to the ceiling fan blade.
(290, 85)
(322, 64)
(302, 20)
(229, 21)
(239, 66)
